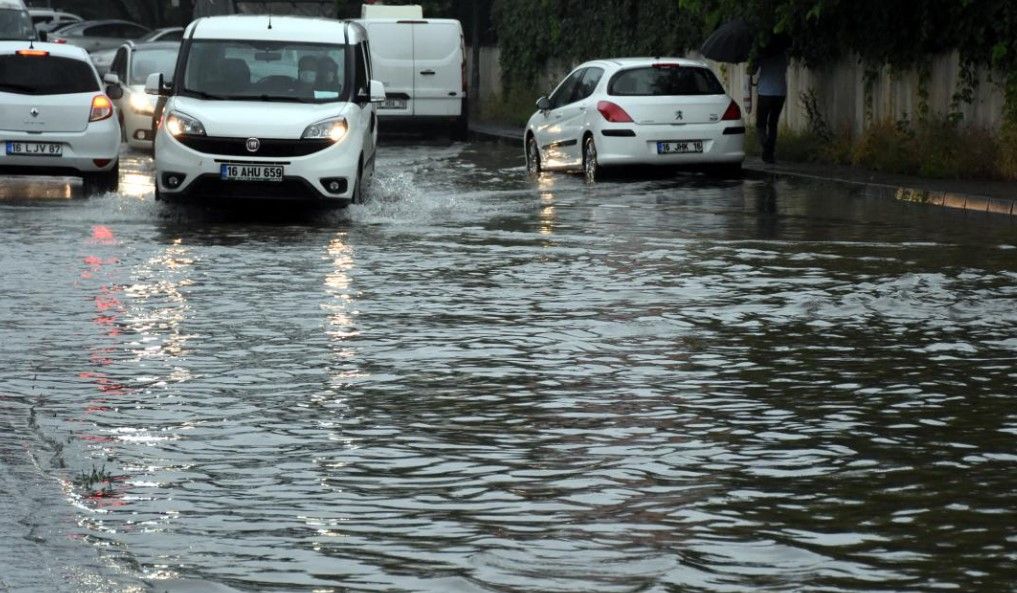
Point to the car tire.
(533, 164)
(357, 197)
(591, 167)
(101, 183)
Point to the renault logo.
(34, 112)
(678, 115)
(253, 144)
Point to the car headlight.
(333, 129)
(178, 124)
(143, 104)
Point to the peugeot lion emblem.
(253, 144)
(678, 114)
(34, 112)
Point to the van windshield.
(16, 24)
(265, 71)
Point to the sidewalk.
(998, 197)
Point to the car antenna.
(270, 16)
(31, 43)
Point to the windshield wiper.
(204, 95)
(268, 98)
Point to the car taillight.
(612, 112)
(59, 40)
(102, 108)
(733, 112)
(666, 65)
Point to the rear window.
(45, 75)
(659, 82)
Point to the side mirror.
(377, 91)
(111, 78)
(154, 85)
(543, 104)
(114, 91)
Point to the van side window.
(361, 72)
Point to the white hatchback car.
(261, 107)
(54, 117)
(636, 111)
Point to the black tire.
(101, 183)
(357, 196)
(591, 168)
(533, 164)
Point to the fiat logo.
(253, 144)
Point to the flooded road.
(483, 383)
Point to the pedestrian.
(771, 89)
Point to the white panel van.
(422, 63)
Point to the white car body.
(130, 67)
(705, 128)
(422, 64)
(254, 147)
(43, 133)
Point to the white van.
(15, 22)
(422, 63)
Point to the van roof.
(284, 28)
(12, 4)
(368, 21)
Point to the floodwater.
(483, 383)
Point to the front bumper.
(198, 174)
(100, 141)
(639, 144)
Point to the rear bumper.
(638, 145)
(138, 129)
(100, 141)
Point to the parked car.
(268, 108)
(636, 111)
(99, 35)
(15, 23)
(422, 64)
(164, 34)
(47, 19)
(55, 118)
(131, 66)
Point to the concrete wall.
(839, 89)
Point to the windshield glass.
(45, 75)
(266, 71)
(147, 61)
(658, 82)
(15, 24)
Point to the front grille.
(270, 147)
(290, 188)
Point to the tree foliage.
(899, 33)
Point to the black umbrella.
(731, 42)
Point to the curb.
(960, 201)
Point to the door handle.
(427, 72)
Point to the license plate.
(251, 172)
(681, 147)
(394, 104)
(34, 148)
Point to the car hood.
(236, 119)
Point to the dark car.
(99, 35)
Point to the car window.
(15, 24)
(362, 76)
(588, 83)
(170, 35)
(129, 31)
(149, 61)
(119, 65)
(266, 70)
(40, 18)
(665, 81)
(45, 75)
(563, 94)
(107, 30)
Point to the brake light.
(60, 40)
(733, 112)
(411, 22)
(32, 52)
(102, 108)
(666, 65)
(612, 112)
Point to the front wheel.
(533, 166)
(591, 168)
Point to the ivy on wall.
(898, 33)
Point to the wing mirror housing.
(111, 78)
(544, 104)
(377, 91)
(154, 85)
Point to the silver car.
(99, 35)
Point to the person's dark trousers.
(767, 117)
